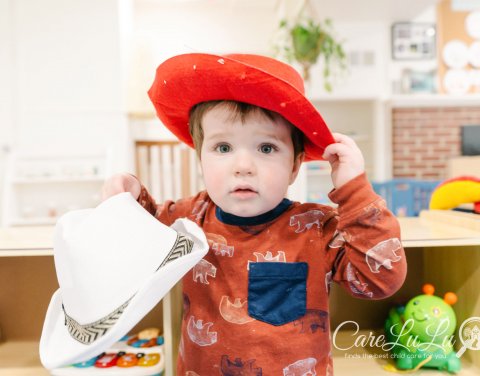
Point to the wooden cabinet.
(442, 248)
(27, 282)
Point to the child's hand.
(120, 183)
(345, 158)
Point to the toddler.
(257, 304)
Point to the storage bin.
(406, 197)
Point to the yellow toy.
(456, 191)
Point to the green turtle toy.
(420, 333)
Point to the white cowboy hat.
(114, 263)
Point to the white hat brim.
(58, 348)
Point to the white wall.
(6, 102)
(366, 45)
(66, 76)
(63, 79)
(167, 28)
(63, 72)
(6, 98)
(396, 68)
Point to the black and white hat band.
(89, 333)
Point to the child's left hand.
(345, 158)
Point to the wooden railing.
(169, 169)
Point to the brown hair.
(238, 109)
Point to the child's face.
(247, 167)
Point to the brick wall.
(425, 138)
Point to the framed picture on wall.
(414, 81)
(413, 41)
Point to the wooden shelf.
(467, 221)
(26, 241)
(27, 252)
(431, 229)
(362, 361)
(20, 358)
(440, 228)
(34, 221)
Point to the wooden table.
(26, 241)
(433, 228)
(438, 228)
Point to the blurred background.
(74, 78)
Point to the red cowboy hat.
(185, 80)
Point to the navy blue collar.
(231, 219)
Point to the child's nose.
(244, 164)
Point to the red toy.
(107, 360)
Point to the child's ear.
(296, 167)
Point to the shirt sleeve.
(193, 208)
(364, 249)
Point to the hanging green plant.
(307, 41)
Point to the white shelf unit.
(434, 100)
(318, 182)
(369, 130)
(38, 189)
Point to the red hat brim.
(186, 80)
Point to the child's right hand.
(120, 183)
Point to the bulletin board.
(458, 49)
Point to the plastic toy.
(127, 360)
(142, 357)
(146, 338)
(421, 332)
(149, 360)
(108, 360)
(453, 192)
(88, 363)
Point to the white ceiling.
(338, 10)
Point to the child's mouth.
(244, 192)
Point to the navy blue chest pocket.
(277, 291)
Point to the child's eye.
(223, 148)
(267, 148)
